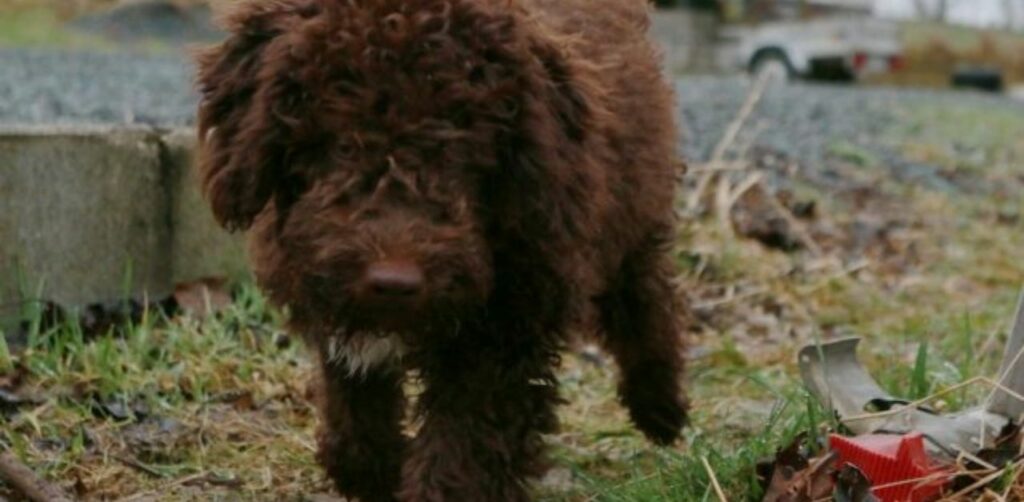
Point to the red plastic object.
(897, 466)
(897, 63)
(860, 60)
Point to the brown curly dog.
(448, 186)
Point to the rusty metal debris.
(833, 374)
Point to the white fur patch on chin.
(362, 353)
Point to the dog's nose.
(394, 279)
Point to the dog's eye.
(476, 75)
(461, 118)
(342, 199)
(382, 103)
(368, 184)
(344, 151)
(440, 214)
(295, 183)
(291, 189)
(369, 214)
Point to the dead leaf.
(12, 380)
(282, 340)
(754, 216)
(154, 435)
(852, 486)
(101, 319)
(119, 409)
(215, 479)
(203, 297)
(792, 477)
(50, 316)
(11, 403)
(240, 399)
(323, 497)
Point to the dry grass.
(933, 51)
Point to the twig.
(139, 466)
(1013, 481)
(914, 404)
(720, 167)
(1006, 373)
(976, 459)
(753, 98)
(25, 482)
(728, 138)
(762, 288)
(756, 291)
(723, 206)
(745, 186)
(995, 496)
(981, 482)
(177, 482)
(848, 271)
(798, 227)
(714, 480)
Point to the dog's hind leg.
(360, 440)
(640, 314)
(484, 413)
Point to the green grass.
(183, 372)
(958, 37)
(45, 26)
(41, 27)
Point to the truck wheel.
(981, 79)
(773, 65)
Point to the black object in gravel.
(982, 79)
(158, 20)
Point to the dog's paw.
(661, 421)
(656, 406)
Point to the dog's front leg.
(483, 415)
(360, 440)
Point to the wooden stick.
(139, 466)
(25, 482)
(982, 482)
(714, 480)
(728, 138)
(798, 227)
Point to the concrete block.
(199, 246)
(93, 214)
(687, 40)
(83, 214)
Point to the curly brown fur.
(447, 186)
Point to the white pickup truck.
(840, 47)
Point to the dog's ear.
(241, 131)
(544, 178)
(543, 195)
(565, 89)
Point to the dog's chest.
(363, 353)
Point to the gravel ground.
(805, 120)
(799, 121)
(40, 87)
